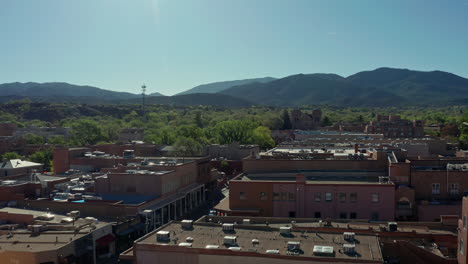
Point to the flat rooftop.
(269, 238)
(318, 177)
(58, 235)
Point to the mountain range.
(379, 87)
(220, 86)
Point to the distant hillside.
(156, 94)
(56, 90)
(218, 100)
(380, 87)
(219, 86)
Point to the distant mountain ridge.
(60, 89)
(379, 87)
(220, 86)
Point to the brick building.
(392, 126)
(301, 120)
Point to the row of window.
(454, 188)
(289, 196)
(343, 215)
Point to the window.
(328, 197)
(284, 196)
(292, 214)
(263, 196)
(276, 196)
(352, 215)
(436, 188)
(292, 196)
(342, 197)
(375, 197)
(353, 197)
(462, 248)
(318, 215)
(318, 197)
(453, 188)
(242, 196)
(375, 216)
(343, 215)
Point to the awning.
(105, 240)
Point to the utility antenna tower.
(143, 95)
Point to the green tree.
(86, 131)
(187, 147)
(235, 130)
(198, 119)
(33, 139)
(286, 121)
(262, 137)
(11, 155)
(43, 156)
(326, 121)
(57, 140)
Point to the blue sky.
(173, 45)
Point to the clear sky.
(173, 45)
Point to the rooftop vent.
(349, 236)
(272, 251)
(163, 236)
(228, 227)
(234, 248)
(392, 226)
(255, 242)
(246, 221)
(349, 248)
(323, 251)
(189, 239)
(285, 230)
(230, 240)
(91, 220)
(186, 224)
(212, 247)
(294, 245)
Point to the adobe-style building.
(17, 167)
(43, 237)
(301, 120)
(214, 239)
(392, 126)
(428, 188)
(233, 151)
(319, 185)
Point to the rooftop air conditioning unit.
(294, 245)
(255, 242)
(185, 244)
(187, 224)
(189, 239)
(91, 220)
(163, 236)
(392, 226)
(285, 230)
(228, 227)
(212, 247)
(246, 221)
(230, 240)
(272, 251)
(234, 248)
(349, 236)
(349, 248)
(323, 250)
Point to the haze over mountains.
(380, 87)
